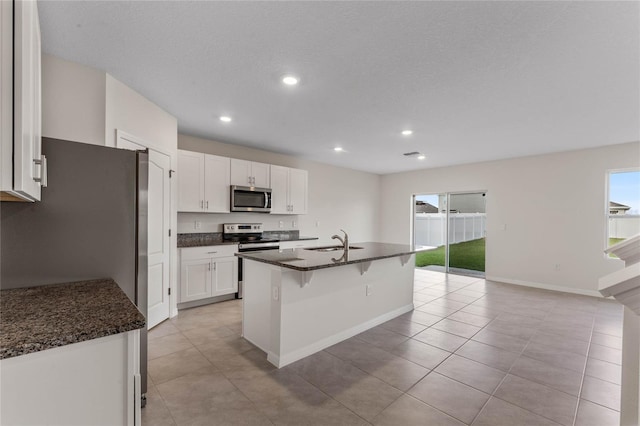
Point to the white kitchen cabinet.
(23, 166)
(250, 173)
(203, 182)
(289, 190)
(207, 272)
(94, 382)
(298, 244)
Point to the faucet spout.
(344, 241)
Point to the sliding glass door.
(467, 220)
(449, 231)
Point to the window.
(623, 206)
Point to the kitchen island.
(298, 302)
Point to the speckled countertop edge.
(326, 260)
(34, 319)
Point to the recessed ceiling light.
(225, 118)
(290, 80)
(421, 157)
(407, 132)
(338, 149)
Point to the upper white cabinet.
(289, 190)
(203, 182)
(249, 173)
(23, 166)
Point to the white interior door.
(158, 241)
(158, 238)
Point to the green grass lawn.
(467, 255)
(613, 241)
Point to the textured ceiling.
(475, 81)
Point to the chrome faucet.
(345, 241)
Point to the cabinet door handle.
(214, 265)
(207, 204)
(202, 204)
(209, 266)
(211, 252)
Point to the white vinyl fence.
(624, 226)
(430, 228)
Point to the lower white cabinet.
(96, 382)
(207, 272)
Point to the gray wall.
(84, 227)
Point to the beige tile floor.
(472, 352)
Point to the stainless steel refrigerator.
(91, 223)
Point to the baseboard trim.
(583, 292)
(283, 360)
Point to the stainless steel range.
(249, 238)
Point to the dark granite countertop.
(309, 260)
(202, 240)
(37, 318)
(215, 238)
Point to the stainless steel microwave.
(250, 199)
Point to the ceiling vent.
(409, 154)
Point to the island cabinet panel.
(203, 182)
(207, 272)
(250, 173)
(292, 314)
(289, 190)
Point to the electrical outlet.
(317, 224)
(369, 289)
(294, 224)
(503, 227)
(276, 293)
(557, 266)
(281, 224)
(197, 224)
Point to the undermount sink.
(332, 248)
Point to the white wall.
(338, 197)
(554, 208)
(73, 101)
(87, 105)
(131, 112)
